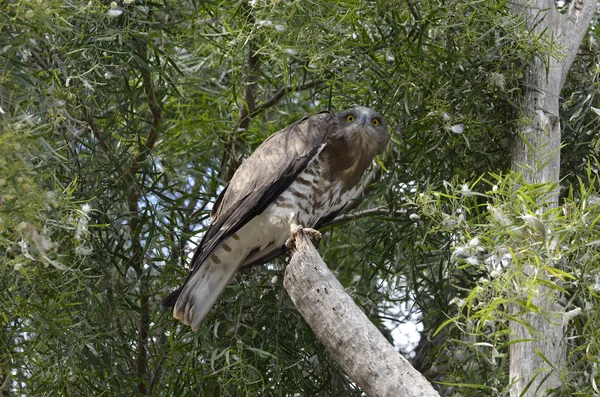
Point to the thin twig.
(163, 340)
(189, 213)
(134, 196)
(363, 214)
(231, 159)
(92, 124)
(279, 94)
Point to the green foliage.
(580, 115)
(505, 245)
(120, 120)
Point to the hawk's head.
(363, 127)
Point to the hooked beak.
(363, 119)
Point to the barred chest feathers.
(311, 197)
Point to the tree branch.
(154, 110)
(572, 29)
(247, 107)
(231, 159)
(95, 131)
(348, 335)
(279, 94)
(134, 223)
(362, 214)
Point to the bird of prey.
(302, 175)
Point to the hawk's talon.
(313, 234)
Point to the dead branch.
(345, 331)
(363, 214)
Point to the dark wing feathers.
(217, 204)
(267, 173)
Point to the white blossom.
(472, 260)
(499, 216)
(83, 221)
(414, 217)
(498, 80)
(114, 11)
(264, 22)
(568, 316)
(457, 128)
(457, 301)
(460, 252)
(83, 250)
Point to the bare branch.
(247, 108)
(92, 124)
(154, 109)
(280, 94)
(348, 335)
(136, 244)
(247, 105)
(142, 357)
(230, 158)
(571, 30)
(363, 214)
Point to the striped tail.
(204, 286)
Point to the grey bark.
(536, 144)
(345, 331)
(536, 154)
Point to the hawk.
(302, 175)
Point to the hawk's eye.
(350, 118)
(375, 122)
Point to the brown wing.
(266, 174)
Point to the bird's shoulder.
(282, 154)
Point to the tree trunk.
(536, 154)
(348, 335)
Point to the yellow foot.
(314, 235)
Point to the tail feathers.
(195, 299)
(170, 300)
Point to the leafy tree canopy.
(122, 120)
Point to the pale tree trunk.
(352, 340)
(536, 154)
